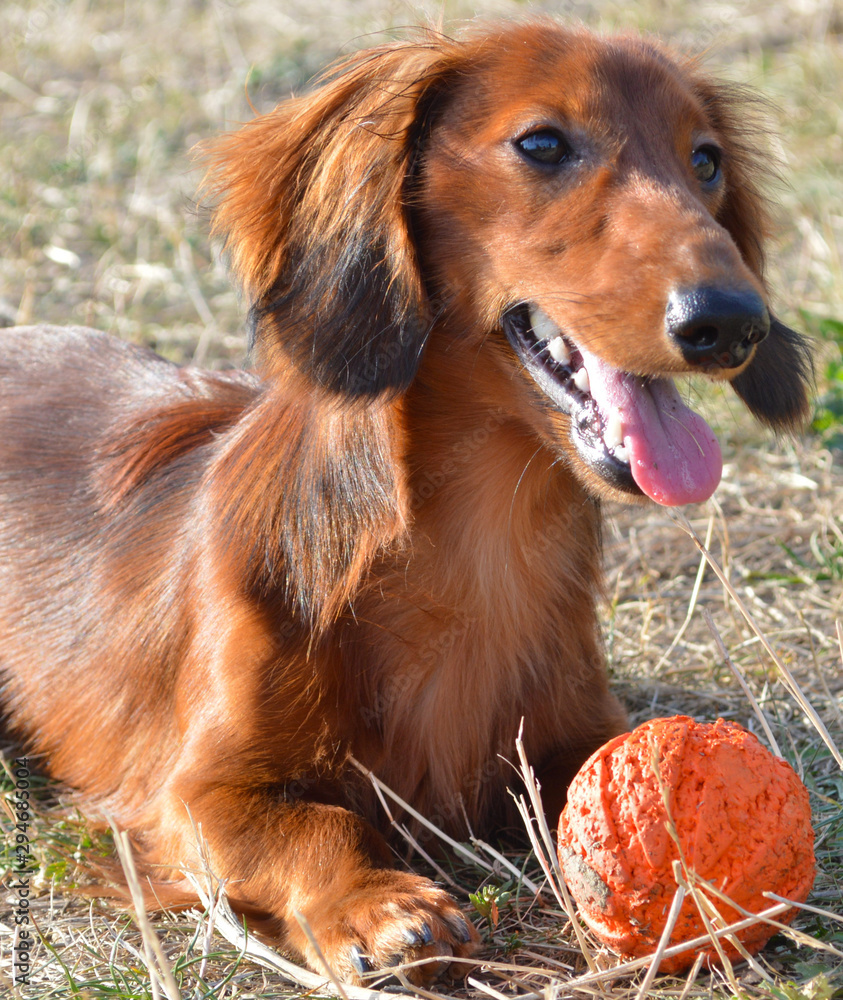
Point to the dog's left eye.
(544, 146)
(705, 162)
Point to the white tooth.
(621, 454)
(581, 380)
(559, 350)
(613, 435)
(543, 326)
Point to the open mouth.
(636, 433)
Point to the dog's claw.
(360, 962)
(413, 933)
(459, 925)
(412, 937)
(418, 937)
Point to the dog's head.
(597, 202)
(587, 210)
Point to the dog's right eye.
(544, 146)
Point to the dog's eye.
(544, 146)
(705, 162)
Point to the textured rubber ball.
(741, 815)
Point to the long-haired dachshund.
(474, 267)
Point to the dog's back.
(89, 581)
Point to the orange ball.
(741, 815)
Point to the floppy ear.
(312, 202)
(304, 494)
(777, 382)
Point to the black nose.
(716, 328)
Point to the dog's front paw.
(390, 920)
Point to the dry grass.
(98, 105)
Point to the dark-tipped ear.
(312, 202)
(776, 385)
(307, 490)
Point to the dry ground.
(100, 102)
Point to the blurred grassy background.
(100, 103)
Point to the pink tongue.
(673, 454)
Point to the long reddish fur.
(216, 588)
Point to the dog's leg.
(607, 719)
(280, 858)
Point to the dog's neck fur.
(469, 600)
(500, 556)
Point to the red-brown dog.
(474, 267)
